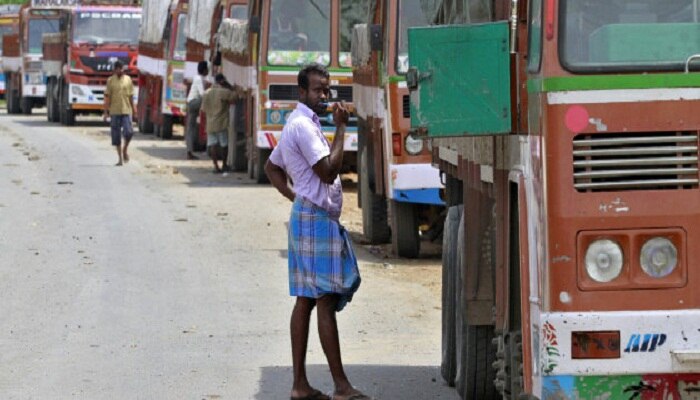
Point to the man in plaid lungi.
(322, 266)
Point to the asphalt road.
(160, 280)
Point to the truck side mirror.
(375, 37)
(254, 24)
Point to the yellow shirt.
(215, 104)
(119, 90)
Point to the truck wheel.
(450, 267)
(12, 96)
(239, 162)
(259, 165)
(52, 103)
(166, 129)
(479, 354)
(144, 123)
(374, 209)
(26, 105)
(66, 114)
(404, 229)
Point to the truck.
(568, 134)
(399, 188)
(9, 24)
(79, 59)
(25, 81)
(161, 64)
(282, 36)
(202, 44)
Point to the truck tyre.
(374, 208)
(67, 115)
(237, 146)
(166, 129)
(145, 123)
(26, 105)
(479, 356)
(259, 165)
(476, 351)
(12, 96)
(405, 240)
(52, 103)
(450, 263)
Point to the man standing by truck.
(119, 106)
(215, 104)
(322, 267)
(194, 104)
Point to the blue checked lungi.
(321, 259)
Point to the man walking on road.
(194, 104)
(322, 266)
(119, 106)
(215, 104)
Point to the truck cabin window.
(37, 28)
(299, 32)
(413, 13)
(628, 35)
(352, 12)
(107, 27)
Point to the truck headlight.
(275, 117)
(604, 260)
(77, 91)
(413, 146)
(658, 257)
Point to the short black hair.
(118, 64)
(220, 78)
(313, 68)
(202, 67)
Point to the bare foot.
(126, 157)
(119, 164)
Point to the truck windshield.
(107, 27)
(410, 14)
(352, 12)
(300, 32)
(628, 35)
(37, 27)
(180, 38)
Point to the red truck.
(78, 59)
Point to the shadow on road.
(163, 153)
(382, 382)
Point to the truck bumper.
(269, 140)
(656, 353)
(89, 97)
(415, 183)
(33, 90)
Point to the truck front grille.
(636, 161)
(406, 106)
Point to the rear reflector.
(595, 344)
(396, 144)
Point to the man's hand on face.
(340, 114)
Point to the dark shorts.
(121, 126)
